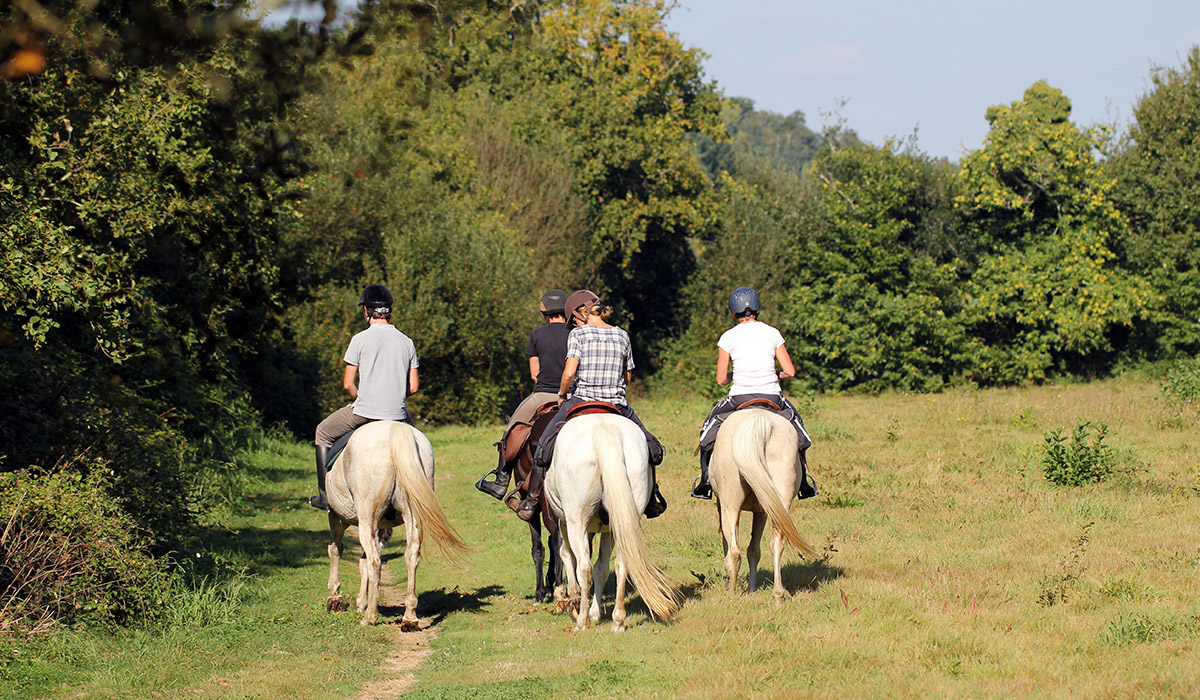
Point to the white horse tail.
(413, 484)
(750, 457)
(625, 520)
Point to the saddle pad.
(583, 409)
(760, 403)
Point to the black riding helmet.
(376, 296)
(555, 301)
(744, 299)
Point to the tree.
(1158, 176)
(784, 142)
(1048, 294)
(138, 263)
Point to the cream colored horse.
(601, 461)
(756, 467)
(384, 478)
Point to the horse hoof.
(367, 621)
(618, 627)
(410, 626)
(335, 603)
(561, 606)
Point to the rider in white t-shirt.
(753, 348)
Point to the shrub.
(1080, 460)
(69, 554)
(1182, 383)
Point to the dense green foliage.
(1158, 173)
(190, 205)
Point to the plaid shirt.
(604, 354)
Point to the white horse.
(601, 461)
(384, 477)
(756, 467)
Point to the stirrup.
(528, 509)
(702, 490)
(319, 502)
(657, 505)
(808, 488)
(493, 487)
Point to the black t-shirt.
(548, 344)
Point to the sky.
(935, 65)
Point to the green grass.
(950, 568)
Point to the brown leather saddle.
(752, 403)
(759, 403)
(587, 407)
(514, 440)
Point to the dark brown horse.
(544, 591)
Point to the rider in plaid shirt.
(599, 364)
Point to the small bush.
(1079, 460)
(1182, 384)
(1055, 588)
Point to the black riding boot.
(808, 487)
(657, 505)
(528, 509)
(319, 500)
(701, 489)
(496, 488)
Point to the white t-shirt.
(751, 347)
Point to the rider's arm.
(413, 384)
(785, 361)
(568, 376)
(535, 366)
(723, 376)
(348, 382)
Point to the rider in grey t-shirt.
(383, 356)
(384, 361)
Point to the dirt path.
(409, 649)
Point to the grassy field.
(950, 568)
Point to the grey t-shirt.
(383, 356)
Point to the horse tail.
(750, 457)
(625, 520)
(413, 484)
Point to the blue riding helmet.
(744, 299)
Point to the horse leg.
(754, 548)
(412, 558)
(337, 530)
(600, 576)
(538, 552)
(568, 589)
(580, 545)
(618, 616)
(777, 544)
(733, 558)
(554, 570)
(370, 565)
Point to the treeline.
(191, 203)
